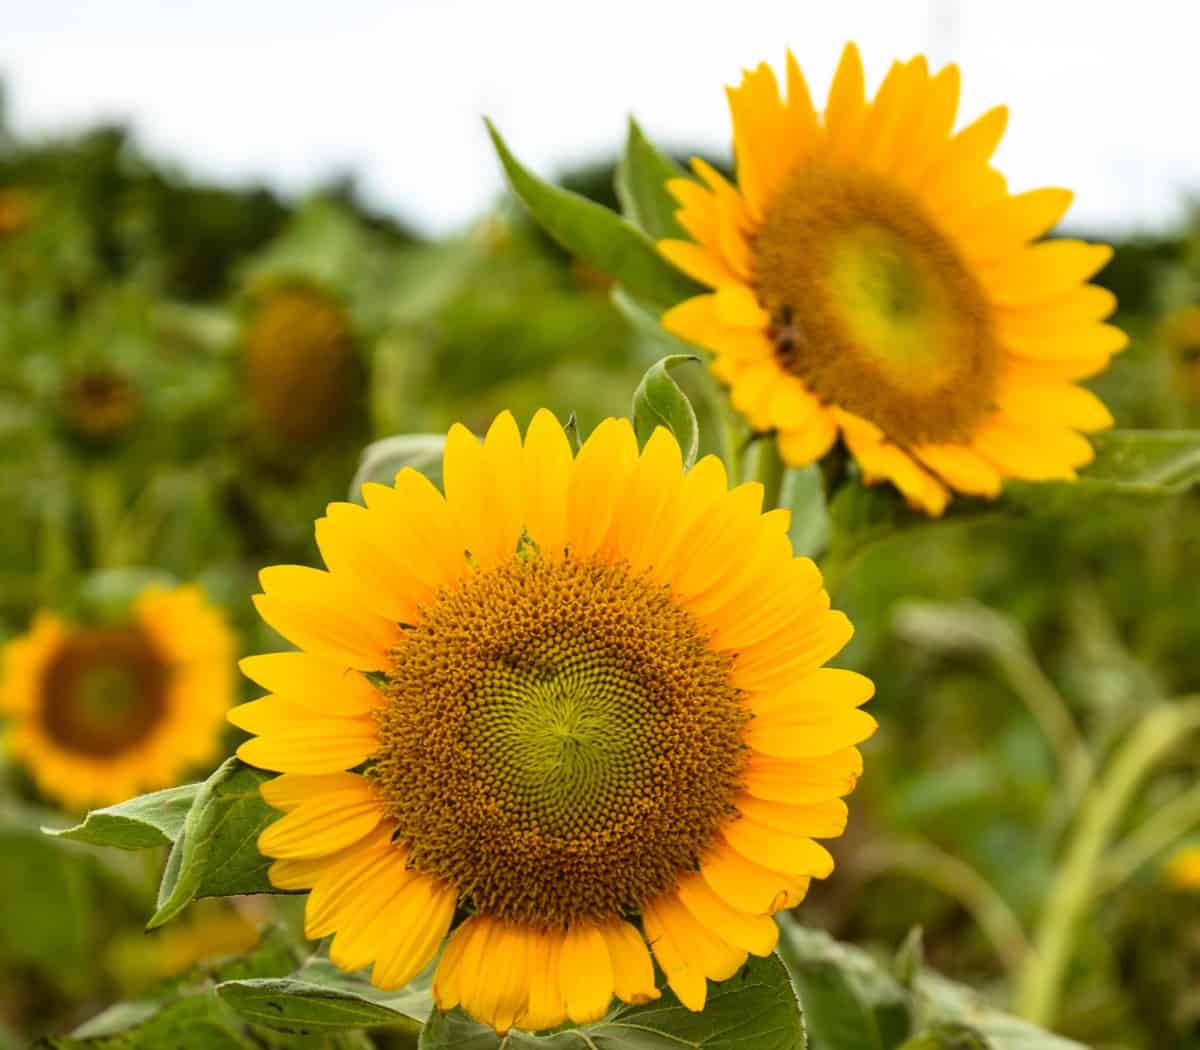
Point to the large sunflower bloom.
(100, 713)
(577, 702)
(873, 278)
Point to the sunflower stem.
(1040, 985)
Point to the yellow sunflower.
(1182, 871)
(873, 278)
(577, 703)
(100, 713)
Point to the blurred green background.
(189, 372)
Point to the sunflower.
(873, 278)
(1180, 331)
(100, 403)
(100, 713)
(1182, 871)
(298, 355)
(576, 705)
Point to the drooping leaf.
(658, 402)
(217, 854)
(1142, 463)
(642, 174)
(139, 823)
(596, 235)
(321, 997)
(849, 1002)
(755, 1008)
(382, 460)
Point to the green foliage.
(641, 179)
(658, 402)
(143, 822)
(594, 234)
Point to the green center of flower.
(104, 691)
(874, 308)
(559, 741)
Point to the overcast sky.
(1103, 93)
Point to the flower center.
(104, 691)
(559, 740)
(873, 307)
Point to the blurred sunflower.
(580, 698)
(1180, 331)
(100, 713)
(1182, 871)
(16, 209)
(99, 403)
(873, 277)
(299, 361)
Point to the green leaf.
(596, 235)
(849, 1002)
(321, 997)
(642, 175)
(290, 1005)
(192, 1022)
(139, 823)
(217, 854)
(382, 460)
(754, 1008)
(803, 493)
(948, 1037)
(658, 402)
(946, 1002)
(1143, 463)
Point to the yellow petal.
(319, 685)
(801, 445)
(358, 554)
(633, 972)
(426, 538)
(799, 739)
(960, 467)
(546, 1007)
(802, 780)
(714, 957)
(418, 921)
(585, 969)
(314, 611)
(598, 479)
(750, 887)
(1043, 272)
(1033, 454)
(1042, 404)
(698, 263)
(683, 972)
(818, 820)
(779, 850)
(847, 104)
(648, 504)
(547, 471)
(776, 661)
(323, 824)
(754, 933)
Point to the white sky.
(1103, 93)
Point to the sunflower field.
(746, 601)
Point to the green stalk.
(1155, 836)
(1040, 985)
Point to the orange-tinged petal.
(418, 921)
(747, 886)
(546, 1007)
(799, 739)
(818, 820)
(684, 973)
